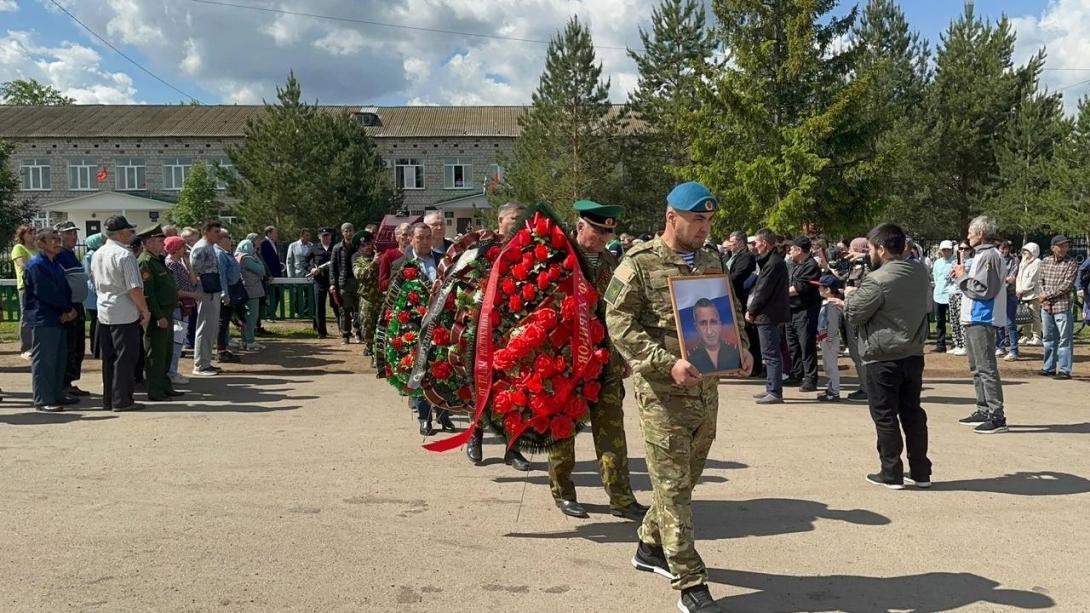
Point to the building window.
(457, 174)
(131, 175)
(224, 166)
(36, 175)
(42, 220)
(495, 173)
(174, 173)
(409, 173)
(82, 175)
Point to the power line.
(383, 24)
(122, 53)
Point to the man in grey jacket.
(889, 310)
(983, 309)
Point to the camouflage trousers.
(368, 322)
(678, 431)
(610, 445)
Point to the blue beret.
(692, 197)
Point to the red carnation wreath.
(406, 307)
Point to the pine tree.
(1025, 199)
(975, 95)
(895, 61)
(197, 202)
(300, 166)
(566, 150)
(674, 58)
(1071, 176)
(776, 137)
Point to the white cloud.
(243, 55)
(8, 6)
(72, 68)
(1062, 30)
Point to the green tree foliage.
(304, 167)
(29, 92)
(567, 147)
(197, 202)
(898, 147)
(14, 210)
(975, 95)
(1071, 177)
(675, 57)
(777, 136)
(1026, 197)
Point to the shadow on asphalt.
(1043, 483)
(729, 519)
(1083, 428)
(586, 474)
(926, 593)
(39, 418)
(949, 400)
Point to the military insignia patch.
(146, 275)
(613, 289)
(707, 205)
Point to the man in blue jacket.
(75, 330)
(48, 310)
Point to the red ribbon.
(482, 362)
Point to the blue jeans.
(1008, 336)
(1057, 341)
(770, 353)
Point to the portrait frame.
(686, 294)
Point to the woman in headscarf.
(90, 304)
(1026, 288)
(253, 273)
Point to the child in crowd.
(829, 335)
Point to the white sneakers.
(958, 351)
(253, 346)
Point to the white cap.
(946, 245)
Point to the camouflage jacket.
(366, 273)
(640, 313)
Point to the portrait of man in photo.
(711, 353)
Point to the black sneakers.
(651, 559)
(877, 480)
(828, 396)
(697, 600)
(992, 426)
(858, 396)
(978, 417)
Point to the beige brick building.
(85, 163)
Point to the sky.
(221, 54)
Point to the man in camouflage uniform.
(161, 294)
(595, 226)
(365, 267)
(678, 408)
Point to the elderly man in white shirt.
(122, 311)
(296, 267)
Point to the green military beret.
(601, 215)
(152, 232)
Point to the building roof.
(158, 121)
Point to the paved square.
(297, 483)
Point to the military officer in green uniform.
(593, 229)
(365, 267)
(162, 296)
(677, 406)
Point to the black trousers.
(226, 311)
(121, 353)
(92, 316)
(321, 295)
(893, 392)
(755, 348)
(941, 313)
(802, 344)
(76, 347)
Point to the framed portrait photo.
(706, 326)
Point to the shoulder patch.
(146, 274)
(622, 276)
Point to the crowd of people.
(143, 299)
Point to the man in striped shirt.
(1057, 277)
